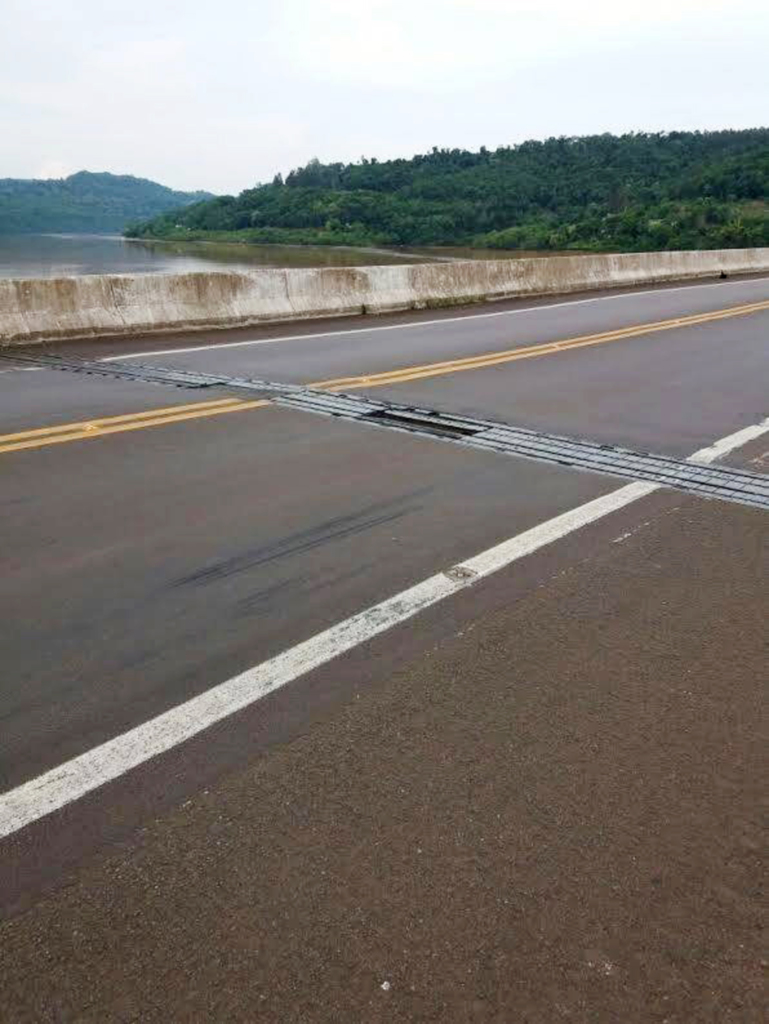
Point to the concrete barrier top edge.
(49, 309)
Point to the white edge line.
(728, 444)
(75, 778)
(413, 324)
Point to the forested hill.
(676, 190)
(84, 202)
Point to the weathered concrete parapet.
(49, 309)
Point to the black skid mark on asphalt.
(264, 596)
(296, 586)
(330, 531)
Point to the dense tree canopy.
(84, 202)
(630, 192)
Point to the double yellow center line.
(178, 413)
(117, 424)
(532, 351)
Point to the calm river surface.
(66, 255)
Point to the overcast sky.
(220, 94)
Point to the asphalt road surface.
(309, 720)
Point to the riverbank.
(67, 255)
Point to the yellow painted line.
(69, 428)
(409, 373)
(83, 430)
(119, 424)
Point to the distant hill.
(85, 202)
(674, 190)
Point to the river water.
(66, 255)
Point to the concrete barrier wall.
(47, 309)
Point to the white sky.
(220, 94)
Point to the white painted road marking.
(75, 778)
(416, 323)
(728, 444)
